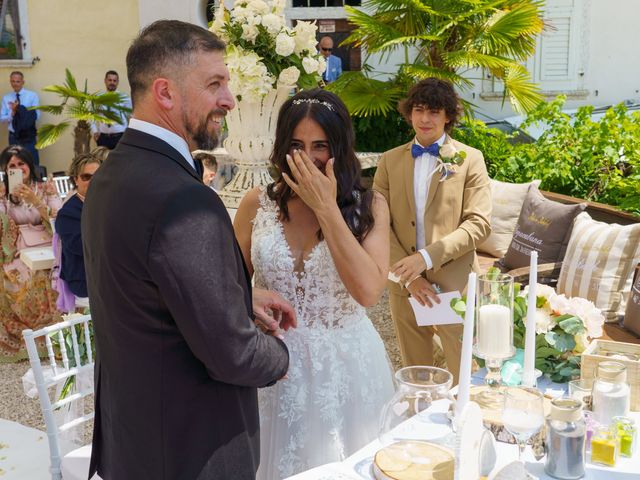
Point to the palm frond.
(49, 134)
(420, 72)
(109, 99)
(52, 109)
(81, 112)
(70, 80)
(370, 33)
(512, 32)
(522, 92)
(366, 96)
(466, 58)
(67, 92)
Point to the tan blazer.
(457, 214)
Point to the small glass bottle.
(565, 439)
(604, 446)
(611, 393)
(626, 435)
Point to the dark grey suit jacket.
(178, 355)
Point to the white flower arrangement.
(262, 52)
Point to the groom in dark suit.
(179, 357)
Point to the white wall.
(193, 11)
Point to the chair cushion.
(632, 313)
(506, 202)
(75, 464)
(599, 263)
(544, 226)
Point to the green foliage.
(80, 106)
(69, 384)
(447, 39)
(576, 156)
(381, 132)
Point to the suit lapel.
(139, 139)
(408, 173)
(435, 182)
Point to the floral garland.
(263, 53)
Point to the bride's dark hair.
(328, 111)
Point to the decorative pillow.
(599, 263)
(506, 202)
(544, 226)
(632, 313)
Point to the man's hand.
(272, 311)
(409, 267)
(423, 292)
(13, 106)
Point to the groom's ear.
(164, 93)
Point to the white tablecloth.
(358, 465)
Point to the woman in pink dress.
(27, 299)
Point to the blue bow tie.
(417, 150)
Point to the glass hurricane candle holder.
(494, 330)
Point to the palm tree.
(82, 107)
(448, 39)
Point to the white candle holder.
(494, 330)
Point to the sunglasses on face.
(327, 49)
(85, 177)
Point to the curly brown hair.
(434, 94)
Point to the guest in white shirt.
(209, 166)
(109, 135)
(21, 121)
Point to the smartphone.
(15, 178)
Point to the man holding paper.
(440, 204)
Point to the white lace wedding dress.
(339, 374)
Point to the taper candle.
(528, 374)
(464, 382)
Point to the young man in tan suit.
(440, 211)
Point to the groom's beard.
(204, 135)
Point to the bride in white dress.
(321, 240)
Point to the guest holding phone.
(27, 299)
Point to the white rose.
(284, 44)
(259, 7)
(447, 151)
(322, 65)
(310, 64)
(249, 33)
(273, 23)
(544, 321)
(279, 6)
(305, 37)
(289, 76)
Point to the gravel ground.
(16, 406)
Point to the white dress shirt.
(27, 99)
(165, 135)
(423, 166)
(114, 127)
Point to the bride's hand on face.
(316, 189)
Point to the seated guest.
(209, 167)
(27, 299)
(82, 169)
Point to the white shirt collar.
(168, 136)
(440, 141)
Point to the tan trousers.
(416, 343)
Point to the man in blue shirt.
(21, 120)
(334, 64)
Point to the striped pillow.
(599, 263)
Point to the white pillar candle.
(528, 374)
(494, 330)
(464, 384)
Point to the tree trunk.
(82, 138)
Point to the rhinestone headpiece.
(300, 101)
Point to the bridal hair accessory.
(300, 101)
